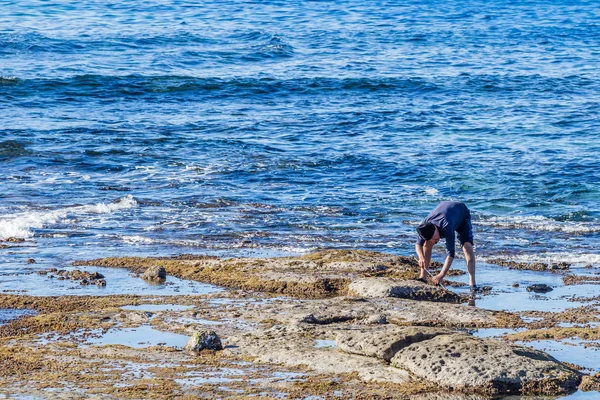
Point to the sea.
(254, 129)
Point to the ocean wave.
(139, 85)
(23, 224)
(93, 86)
(539, 223)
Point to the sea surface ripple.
(270, 128)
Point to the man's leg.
(427, 250)
(470, 259)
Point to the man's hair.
(426, 230)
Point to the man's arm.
(439, 277)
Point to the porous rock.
(406, 289)
(461, 361)
(204, 340)
(287, 346)
(385, 343)
(155, 273)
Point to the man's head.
(428, 232)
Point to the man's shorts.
(465, 230)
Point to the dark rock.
(30, 261)
(539, 288)
(563, 266)
(204, 340)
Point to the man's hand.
(437, 279)
(422, 263)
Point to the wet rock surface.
(297, 315)
(537, 266)
(84, 277)
(590, 383)
(539, 288)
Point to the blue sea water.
(272, 128)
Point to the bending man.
(448, 217)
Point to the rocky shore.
(333, 324)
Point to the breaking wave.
(22, 225)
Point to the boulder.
(406, 289)
(462, 361)
(204, 340)
(385, 343)
(539, 288)
(155, 274)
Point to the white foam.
(539, 223)
(431, 191)
(21, 225)
(136, 239)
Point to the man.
(442, 222)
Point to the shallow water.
(570, 350)
(504, 296)
(320, 344)
(7, 314)
(118, 281)
(142, 336)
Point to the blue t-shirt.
(448, 216)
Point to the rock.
(30, 261)
(462, 361)
(539, 288)
(515, 285)
(284, 346)
(95, 275)
(155, 274)
(14, 240)
(375, 319)
(406, 289)
(396, 311)
(563, 266)
(204, 340)
(385, 343)
(590, 383)
(101, 283)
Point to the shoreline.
(295, 325)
